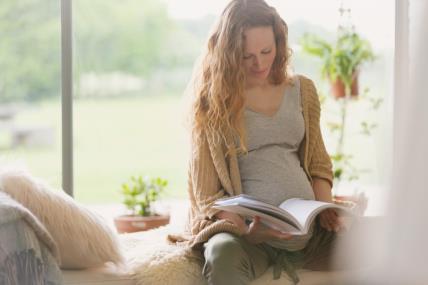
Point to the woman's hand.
(330, 220)
(234, 218)
(258, 233)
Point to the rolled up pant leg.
(230, 259)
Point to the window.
(131, 61)
(30, 92)
(129, 84)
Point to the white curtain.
(404, 247)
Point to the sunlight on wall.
(365, 14)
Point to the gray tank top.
(271, 170)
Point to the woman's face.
(259, 54)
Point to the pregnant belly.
(275, 175)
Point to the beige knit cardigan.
(213, 174)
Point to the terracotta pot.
(338, 87)
(135, 223)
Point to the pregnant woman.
(255, 130)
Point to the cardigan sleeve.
(319, 163)
(205, 183)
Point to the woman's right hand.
(258, 233)
(234, 218)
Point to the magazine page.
(280, 215)
(305, 211)
(266, 219)
(260, 206)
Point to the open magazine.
(293, 215)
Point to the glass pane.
(30, 92)
(128, 96)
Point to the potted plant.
(139, 194)
(341, 60)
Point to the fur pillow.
(84, 239)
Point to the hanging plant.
(341, 59)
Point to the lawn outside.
(114, 139)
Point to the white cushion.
(83, 238)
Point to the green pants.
(230, 259)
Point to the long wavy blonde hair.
(219, 79)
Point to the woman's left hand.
(330, 220)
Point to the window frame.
(67, 96)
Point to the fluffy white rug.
(153, 261)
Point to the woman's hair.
(218, 81)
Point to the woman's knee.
(224, 248)
(226, 261)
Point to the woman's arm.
(203, 179)
(320, 166)
(329, 218)
(322, 190)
